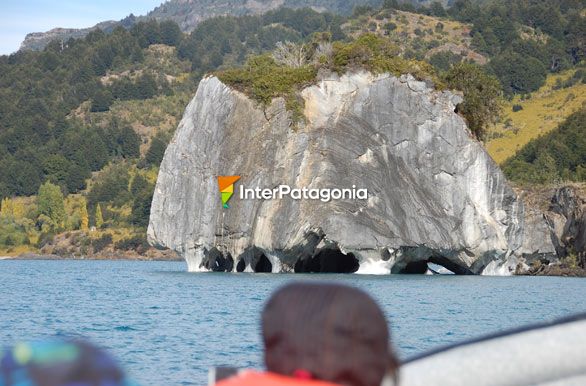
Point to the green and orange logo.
(226, 186)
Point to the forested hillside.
(43, 136)
(526, 117)
(187, 14)
(557, 156)
(93, 116)
(90, 118)
(522, 43)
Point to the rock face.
(567, 219)
(37, 41)
(434, 194)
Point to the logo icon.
(226, 186)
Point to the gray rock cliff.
(434, 194)
(567, 219)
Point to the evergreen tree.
(146, 86)
(56, 168)
(99, 219)
(129, 143)
(84, 217)
(101, 101)
(518, 74)
(76, 177)
(139, 184)
(170, 33)
(156, 151)
(437, 9)
(141, 208)
(111, 186)
(444, 60)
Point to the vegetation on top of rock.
(482, 104)
(378, 55)
(263, 78)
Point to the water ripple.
(168, 326)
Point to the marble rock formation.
(434, 194)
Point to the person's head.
(332, 332)
(59, 363)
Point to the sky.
(19, 17)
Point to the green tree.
(170, 33)
(51, 206)
(146, 86)
(156, 151)
(146, 33)
(479, 43)
(99, 219)
(90, 149)
(129, 143)
(139, 184)
(546, 168)
(141, 208)
(110, 186)
(443, 60)
(101, 101)
(20, 178)
(437, 9)
(518, 74)
(56, 168)
(84, 217)
(482, 96)
(390, 27)
(76, 177)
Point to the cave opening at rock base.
(328, 261)
(263, 264)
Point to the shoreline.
(45, 258)
(554, 271)
(51, 257)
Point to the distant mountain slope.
(188, 13)
(417, 35)
(36, 41)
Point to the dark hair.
(334, 332)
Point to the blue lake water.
(168, 326)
